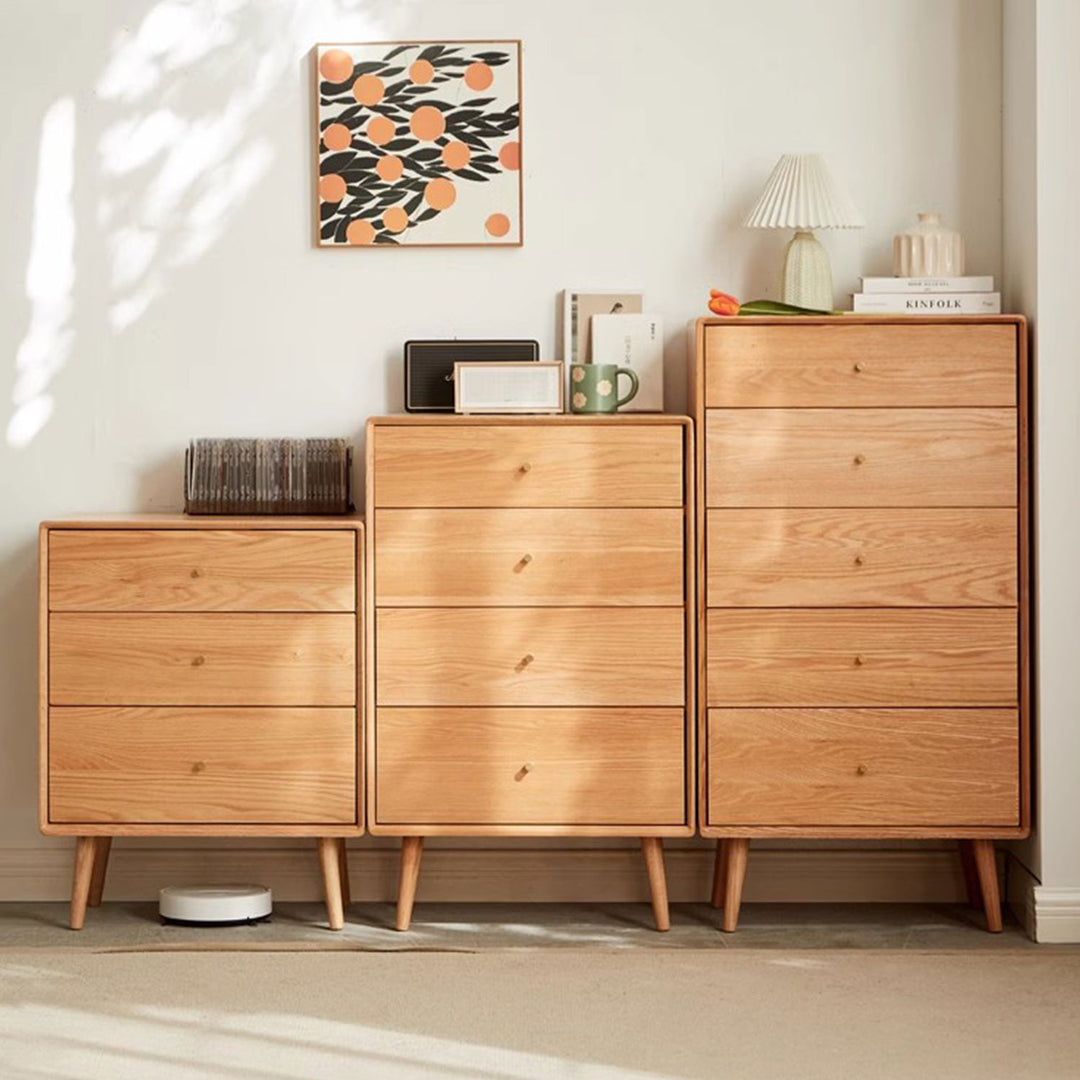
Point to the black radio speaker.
(429, 368)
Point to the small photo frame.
(494, 387)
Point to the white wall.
(164, 284)
(1042, 242)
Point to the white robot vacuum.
(216, 905)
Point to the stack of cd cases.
(267, 476)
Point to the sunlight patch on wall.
(50, 276)
(191, 82)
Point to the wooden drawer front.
(502, 465)
(864, 767)
(862, 558)
(530, 656)
(545, 557)
(530, 766)
(837, 656)
(189, 659)
(861, 457)
(202, 570)
(191, 766)
(844, 365)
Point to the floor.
(475, 927)
(508, 992)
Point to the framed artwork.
(419, 144)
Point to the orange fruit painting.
(419, 144)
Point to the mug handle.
(633, 385)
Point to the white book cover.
(981, 303)
(928, 284)
(637, 342)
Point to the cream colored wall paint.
(1058, 433)
(197, 305)
(1041, 238)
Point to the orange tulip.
(722, 303)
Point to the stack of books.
(928, 296)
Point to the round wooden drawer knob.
(860, 459)
(526, 559)
(525, 467)
(198, 767)
(198, 661)
(525, 661)
(860, 770)
(196, 573)
(859, 560)
(859, 366)
(859, 659)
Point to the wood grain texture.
(495, 465)
(202, 659)
(861, 457)
(865, 557)
(202, 570)
(844, 364)
(463, 558)
(837, 656)
(123, 766)
(553, 766)
(864, 767)
(530, 656)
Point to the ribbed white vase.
(929, 249)
(806, 278)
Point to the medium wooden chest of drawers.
(530, 584)
(201, 676)
(863, 569)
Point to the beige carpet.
(575, 1014)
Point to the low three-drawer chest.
(201, 677)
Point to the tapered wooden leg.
(102, 846)
(971, 875)
(737, 851)
(80, 882)
(719, 871)
(412, 847)
(343, 873)
(652, 847)
(329, 862)
(986, 868)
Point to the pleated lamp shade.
(801, 194)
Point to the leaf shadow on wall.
(172, 115)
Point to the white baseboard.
(1057, 915)
(1051, 916)
(541, 873)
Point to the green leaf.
(775, 307)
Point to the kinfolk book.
(980, 303)
(983, 284)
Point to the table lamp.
(801, 194)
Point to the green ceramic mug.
(593, 387)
